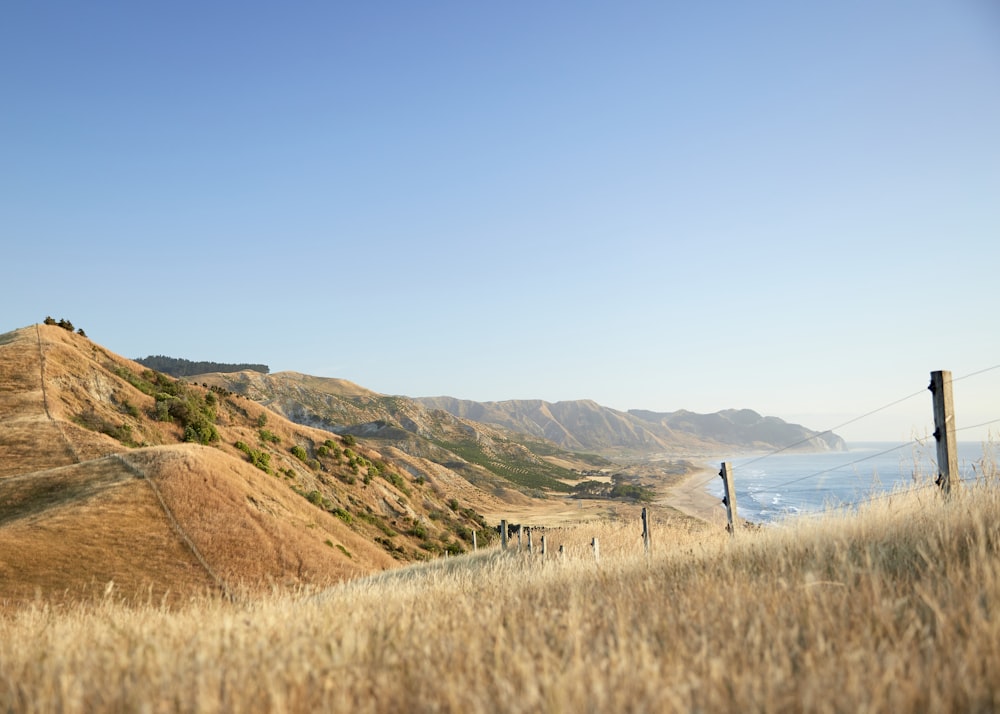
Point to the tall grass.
(895, 607)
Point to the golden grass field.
(895, 608)
(179, 578)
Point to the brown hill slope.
(97, 485)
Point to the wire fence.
(823, 488)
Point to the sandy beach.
(690, 497)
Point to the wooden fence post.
(944, 429)
(503, 534)
(562, 552)
(645, 529)
(597, 548)
(529, 541)
(544, 548)
(520, 530)
(475, 546)
(729, 499)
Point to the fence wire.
(783, 486)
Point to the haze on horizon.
(772, 206)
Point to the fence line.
(947, 461)
(942, 378)
(872, 412)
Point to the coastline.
(691, 497)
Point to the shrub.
(348, 440)
(260, 459)
(396, 480)
(201, 432)
(299, 453)
(343, 515)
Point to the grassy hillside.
(492, 457)
(110, 471)
(891, 609)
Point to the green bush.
(397, 481)
(201, 432)
(343, 515)
(176, 403)
(299, 453)
(260, 459)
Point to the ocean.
(769, 488)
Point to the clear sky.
(781, 205)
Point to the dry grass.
(79, 509)
(891, 609)
(195, 521)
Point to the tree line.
(180, 367)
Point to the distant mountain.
(518, 440)
(587, 426)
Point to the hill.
(113, 472)
(493, 457)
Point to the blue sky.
(791, 207)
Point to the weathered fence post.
(475, 546)
(529, 541)
(562, 552)
(729, 499)
(503, 534)
(520, 530)
(645, 529)
(544, 549)
(944, 429)
(597, 548)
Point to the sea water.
(788, 484)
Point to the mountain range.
(579, 426)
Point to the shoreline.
(691, 497)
